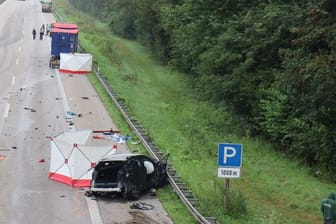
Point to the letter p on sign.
(229, 152)
(229, 155)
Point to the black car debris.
(128, 176)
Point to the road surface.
(33, 104)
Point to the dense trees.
(308, 81)
(270, 62)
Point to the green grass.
(273, 188)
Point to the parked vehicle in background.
(46, 5)
(64, 39)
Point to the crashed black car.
(128, 175)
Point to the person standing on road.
(34, 33)
(328, 209)
(47, 29)
(41, 32)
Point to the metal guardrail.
(179, 187)
(61, 19)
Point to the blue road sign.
(229, 155)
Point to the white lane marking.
(64, 100)
(19, 49)
(13, 81)
(17, 61)
(92, 204)
(7, 110)
(94, 211)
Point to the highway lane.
(29, 114)
(33, 104)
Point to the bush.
(236, 205)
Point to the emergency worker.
(328, 209)
(41, 32)
(34, 33)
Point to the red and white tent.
(75, 63)
(72, 160)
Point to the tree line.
(272, 63)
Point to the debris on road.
(70, 113)
(141, 205)
(116, 137)
(107, 132)
(31, 109)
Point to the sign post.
(229, 163)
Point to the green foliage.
(236, 206)
(149, 29)
(242, 60)
(307, 80)
(123, 18)
(274, 218)
(272, 118)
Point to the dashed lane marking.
(13, 81)
(7, 110)
(65, 101)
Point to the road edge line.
(94, 211)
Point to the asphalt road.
(28, 115)
(33, 104)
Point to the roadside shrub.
(236, 206)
